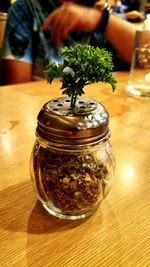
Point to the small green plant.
(82, 65)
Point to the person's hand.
(70, 17)
(133, 15)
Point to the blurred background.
(132, 10)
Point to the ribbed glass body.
(71, 181)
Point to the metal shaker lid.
(86, 123)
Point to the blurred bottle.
(139, 78)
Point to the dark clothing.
(131, 4)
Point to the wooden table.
(118, 233)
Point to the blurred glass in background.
(139, 78)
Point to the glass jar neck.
(72, 146)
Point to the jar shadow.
(16, 204)
(21, 212)
(61, 240)
(41, 222)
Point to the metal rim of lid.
(88, 122)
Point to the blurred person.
(37, 30)
(134, 10)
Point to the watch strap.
(106, 11)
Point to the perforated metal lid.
(87, 123)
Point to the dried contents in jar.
(70, 181)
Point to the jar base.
(68, 216)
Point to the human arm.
(72, 17)
(17, 45)
(121, 35)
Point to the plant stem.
(73, 100)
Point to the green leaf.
(88, 64)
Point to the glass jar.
(72, 163)
(139, 78)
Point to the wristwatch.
(106, 11)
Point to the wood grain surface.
(118, 233)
